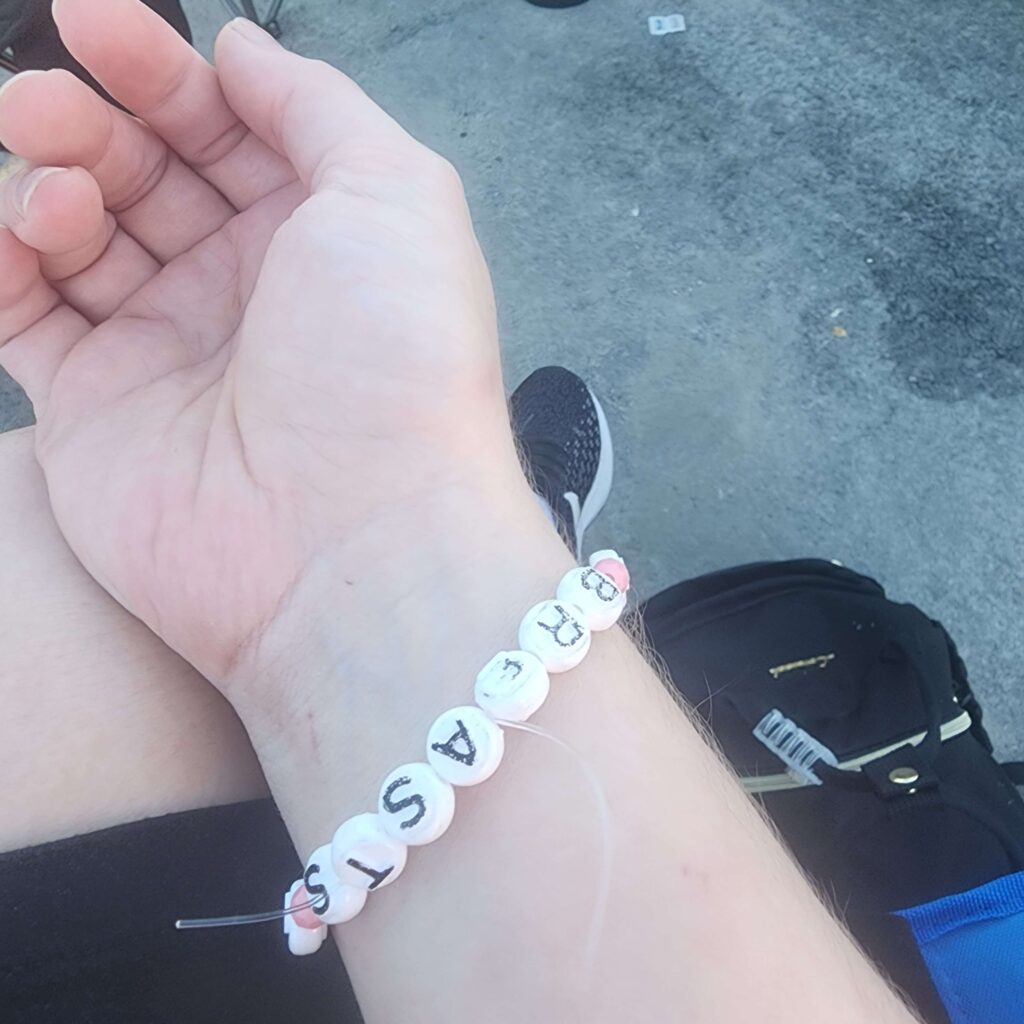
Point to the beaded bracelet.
(464, 747)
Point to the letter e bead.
(512, 686)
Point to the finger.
(103, 286)
(25, 297)
(307, 110)
(93, 265)
(58, 212)
(54, 118)
(144, 64)
(37, 330)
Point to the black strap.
(1011, 843)
(879, 776)
(929, 666)
(1015, 771)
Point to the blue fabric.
(973, 944)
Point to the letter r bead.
(557, 633)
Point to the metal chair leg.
(247, 9)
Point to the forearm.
(707, 918)
(97, 712)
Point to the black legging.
(37, 46)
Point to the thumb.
(308, 111)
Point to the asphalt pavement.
(785, 246)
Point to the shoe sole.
(597, 497)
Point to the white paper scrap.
(662, 24)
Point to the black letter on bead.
(556, 630)
(449, 749)
(377, 876)
(603, 587)
(396, 806)
(316, 889)
(512, 663)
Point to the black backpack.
(851, 718)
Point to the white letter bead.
(595, 594)
(465, 746)
(556, 633)
(338, 902)
(416, 805)
(512, 686)
(364, 855)
(301, 941)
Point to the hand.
(255, 325)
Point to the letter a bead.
(465, 746)
(556, 633)
(416, 805)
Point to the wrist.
(516, 882)
(373, 644)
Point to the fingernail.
(254, 34)
(17, 78)
(53, 8)
(24, 189)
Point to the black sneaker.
(566, 447)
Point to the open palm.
(251, 322)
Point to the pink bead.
(304, 918)
(616, 571)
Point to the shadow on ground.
(786, 246)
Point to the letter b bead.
(595, 594)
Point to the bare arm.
(97, 712)
(707, 918)
(272, 424)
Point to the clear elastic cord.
(604, 880)
(605, 819)
(187, 923)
